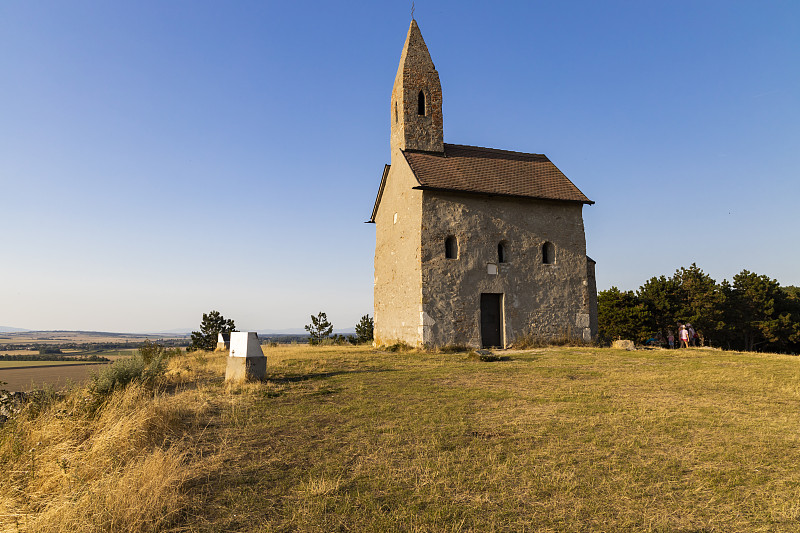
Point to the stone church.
(474, 246)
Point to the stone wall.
(547, 300)
(398, 277)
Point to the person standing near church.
(683, 334)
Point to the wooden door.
(491, 320)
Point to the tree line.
(752, 312)
(320, 331)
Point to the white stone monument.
(223, 341)
(246, 361)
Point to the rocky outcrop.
(11, 404)
(624, 345)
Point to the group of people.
(687, 337)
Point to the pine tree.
(319, 328)
(212, 325)
(364, 329)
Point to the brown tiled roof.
(489, 171)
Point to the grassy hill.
(350, 439)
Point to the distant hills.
(262, 332)
(188, 331)
(6, 329)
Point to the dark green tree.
(761, 314)
(752, 313)
(663, 298)
(319, 328)
(791, 305)
(622, 315)
(792, 292)
(212, 325)
(364, 329)
(702, 302)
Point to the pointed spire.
(415, 53)
(417, 98)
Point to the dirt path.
(59, 377)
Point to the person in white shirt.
(683, 334)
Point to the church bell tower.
(416, 99)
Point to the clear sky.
(159, 159)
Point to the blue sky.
(162, 159)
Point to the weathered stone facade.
(541, 299)
(523, 252)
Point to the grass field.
(37, 377)
(19, 352)
(30, 364)
(82, 337)
(350, 439)
(125, 352)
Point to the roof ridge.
(493, 150)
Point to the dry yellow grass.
(77, 464)
(348, 438)
(113, 466)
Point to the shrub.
(529, 340)
(144, 367)
(339, 340)
(399, 347)
(150, 351)
(453, 348)
(487, 356)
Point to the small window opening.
(451, 248)
(502, 252)
(548, 253)
(395, 112)
(421, 104)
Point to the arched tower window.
(421, 104)
(451, 247)
(548, 253)
(502, 252)
(395, 113)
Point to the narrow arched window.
(548, 253)
(502, 252)
(395, 112)
(421, 104)
(451, 248)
